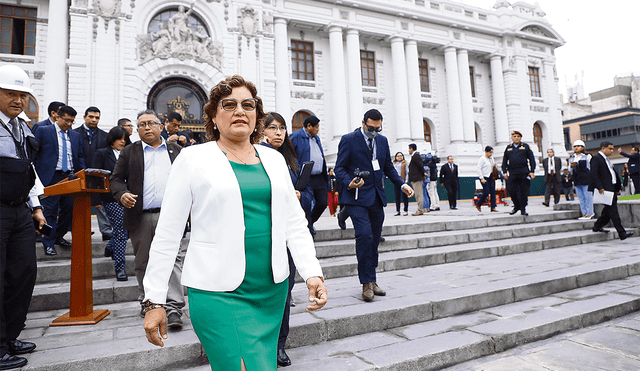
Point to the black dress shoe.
(121, 275)
(283, 358)
(599, 229)
(523, 212)
(174, 321)
(546, 204)
(17, 347)
(512, 212)
(50, 251)
(8, 362)
(106, 237)
(108, 252)
(342, 219)
(62, 242)
(626, 235)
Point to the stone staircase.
(459, 286)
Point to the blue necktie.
(90, 134)
(65, 165)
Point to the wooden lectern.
(86, 183)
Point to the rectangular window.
(424, 75)
(473, 82)
(534, 81)
(368, 67)
(17, 30)
(302, 60)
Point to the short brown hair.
(224, 89)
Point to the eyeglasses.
(275, 128)
(68, 121)
(372, 129)
(142, 125)
(127, 126)
(230, 105)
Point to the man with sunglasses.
(308, 147)
(60, 155)
(364, 197)
(138, 182)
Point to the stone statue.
(162, 41)
(178, 24)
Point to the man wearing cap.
(580, 163)
(19, 207)
(518, 165)
(306, 143)
(365, 199)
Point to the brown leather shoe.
(367, 291)
(417, 213)
(377, 290)
(478, 207)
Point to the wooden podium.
(81, 296)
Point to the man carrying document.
(605, 184)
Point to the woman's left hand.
(317, 293)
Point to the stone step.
(97, 250)
(52, 271)
(431, 316)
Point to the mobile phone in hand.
(46, 228)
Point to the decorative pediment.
(538, 31)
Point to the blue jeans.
(586, 199)
(425, 194)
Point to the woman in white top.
(486, 165)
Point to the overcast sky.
(601, 40)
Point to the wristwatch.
(148, 305)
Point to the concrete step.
(97, 250)
(432, 316)
(51, 271)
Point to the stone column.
(282, 70)
(453, 95)
(356, 110)
(55, 70)
(400, 90)
(339, 98)
(499, 101)
(466, 100)
(415, 94)
(554, 126)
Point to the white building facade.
(450, 77)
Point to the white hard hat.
(14, 78)
(578, 143)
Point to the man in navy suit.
(365, 199)
(60, 155)
(93, 139)
(53, 116)
(604, 178)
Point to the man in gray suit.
(149, 158)
(552, 177)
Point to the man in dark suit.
(552, 177)
(149, 158)
(604, 178)
(171, 132)
(416, 176)
(365, 200)
(308, 147)
(634, 166)
(53, 116)
(94, 139)
(449, 179)
(60, 155)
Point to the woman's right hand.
(155, 326)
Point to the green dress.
(245, 323)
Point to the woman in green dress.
(244, 215)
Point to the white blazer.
(203, 184)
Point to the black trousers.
(284, 327)
(610, 213)
(319, 185)
(635, 177)
(452, 193)
(58, 210)
(518, 188)
(549, 186)
(17, 270)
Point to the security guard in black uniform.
(518, 165)
(19, 207)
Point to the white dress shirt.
(610, 166)
(157, 165)
(69, 150)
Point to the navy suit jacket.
(303, 151)
(353, 153)
(98, 141)
(48, 154)
(40, 124)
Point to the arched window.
(193, 22)
(31, 110)
(427, 131)
(298, 120)
(537, 136)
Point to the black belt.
(154, 210)
(64, 172)
(14, 203)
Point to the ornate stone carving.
(247, 21)
(538, 31)
(176, 38)
(373, 100)
(501, 4)
(429, 105)
(109, 10)
(267, 22)
(306, 95)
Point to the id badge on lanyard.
(375, 164)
